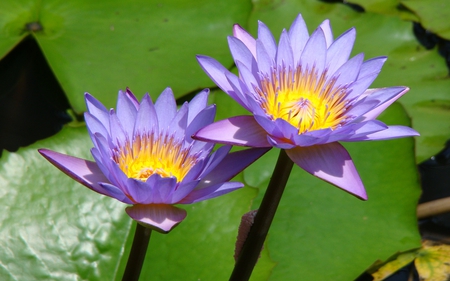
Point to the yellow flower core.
(148, 155)
(304, 99)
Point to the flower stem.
(263, 219)
(137, 253)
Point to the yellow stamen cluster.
(149, 154)
(305, 99)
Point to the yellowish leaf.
(393, 266)
(433, 262)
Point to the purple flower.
(145, 156)
(305, 95)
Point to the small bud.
(244, 228)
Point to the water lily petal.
(146, 121)
(264, 60)
(202, 119)
(392, 132)
(231, 165)
(197, 104)
(83, 171)
(326, 28)
(240, 51)
(209, 192)
(166, 108)
(216, 72)
(245, 37)
(389, 95)
(332, 163)
(340, 50)
(97, 109)
(298, 35)
(285, 56)
(266, 37)
(162, 218)
(126, 112)
(314, 54)
(238, 130)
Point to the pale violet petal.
(197, 104)
(209, 192)
(325, 26)
(315, 52)
(332, 163)
(392, 132)
(298, 35)
(83, 171)
(162, 218)
(216, 72)
(166, 108)
(285, 56)
(245, 37)
(340, 50)
(238, 130)
(266, 38)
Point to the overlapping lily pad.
(101, 47)
(59, 230)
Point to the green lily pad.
(433, 15)
(101, 47)
(53, 228)
(386, 7)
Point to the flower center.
(304, 99)
(148, 155)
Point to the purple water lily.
(145, 156)
(305, 95)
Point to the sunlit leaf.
(101, 47)
(53, 228)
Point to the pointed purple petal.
(146, 120)
(267, 40)
(387, 101)
(332, 163)
(94, 125)
(202, 119)
(197, 104)
(216, 72)
(263, 58)
(349, 71)
(126, 112)
(166, 108)
(115, 192)
(238, 130)
(183, 190)
(245, 37)
(177, 127)
(392, 132)
(162, 218)
(237, 92)
(326, 28)
(340, 50)
(83, 171)
(231, 165)
(285, 56)
(298, 35)
(239, 51)
(209, 192)
(314, 54)
(97, 109)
